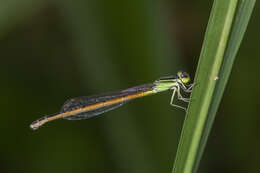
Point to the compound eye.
(184, 77)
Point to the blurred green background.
(54, 50)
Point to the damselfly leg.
(187, 88)
(172, 98)
(180, 97)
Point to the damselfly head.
(184, 77)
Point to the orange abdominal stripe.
(102, 104)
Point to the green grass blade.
(242, 16)
(220, 46)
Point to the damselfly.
(89, 106)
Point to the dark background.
(54, 50)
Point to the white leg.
(188, 90)
(190, 87)
(180, 97)
(173, 94)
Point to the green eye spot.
(184, 77)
